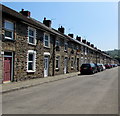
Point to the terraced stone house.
(31, 49)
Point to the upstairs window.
(31, 65)
(85, 51)
(9, 30)
(65, 47)
(57, 43)
(31, 36)
(47, 40)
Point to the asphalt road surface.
(83, 94)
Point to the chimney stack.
(61, 29)
(92, 45)
(47, 22)
(88, 43)
(71, 35)
(84, 41)
(25, 13)
(78, 38)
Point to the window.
(72, 62)
(57, 62)
(31, 36)
(47, 40)
(77, 48)
(82, 49)
(9, 30)
(85, 51)
(65, 47)
(31, 66)
(57, 43)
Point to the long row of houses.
(31, 49)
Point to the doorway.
(65, 65)
(46, 65)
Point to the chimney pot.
(44, 18)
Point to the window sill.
(57, 69)
(30, 71)
(6, 39)
(32, 44)
(47, 47)
(65, 50)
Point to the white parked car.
(103, 67)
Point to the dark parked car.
(99, 67)
(88, 68)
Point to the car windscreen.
(85, 65)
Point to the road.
(83, 94)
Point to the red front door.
(7, 68)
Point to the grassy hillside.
(114, 53)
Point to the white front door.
(65, 65)
(45, 66)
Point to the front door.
(45, 66)
(7, 68)
(65, 65)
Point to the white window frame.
(10, 30)
(34, 30)
(34, 60)
(48, 40)
(57, 58)
(65, 48)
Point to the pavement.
(13, 86)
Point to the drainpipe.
(53, 61)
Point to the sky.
(97, 22)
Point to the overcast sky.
(96, 22)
